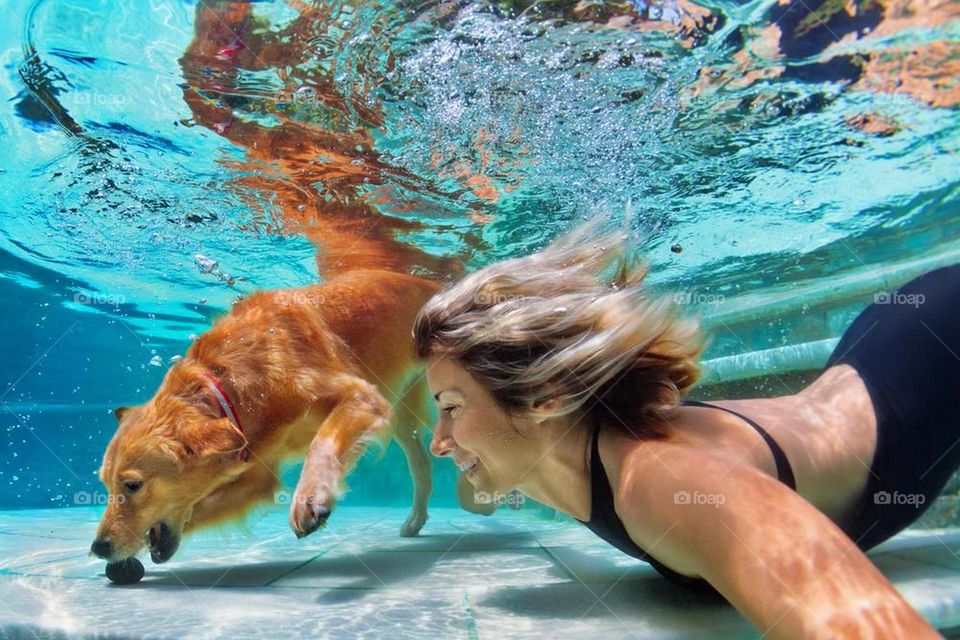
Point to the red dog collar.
(228, 411)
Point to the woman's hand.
(782, 563)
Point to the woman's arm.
(784, 565)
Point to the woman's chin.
(490, 486)
(480, 481)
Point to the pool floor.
(516, 574)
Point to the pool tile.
(642, 609)
(426, 569)
(514, 575)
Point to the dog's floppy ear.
(119, 412)
(212, 437)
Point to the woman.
(567, 386)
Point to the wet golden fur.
(310, 371)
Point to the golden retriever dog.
(312, 373)
(316, 372)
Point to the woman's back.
(827, 432)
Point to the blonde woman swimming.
(567, 385)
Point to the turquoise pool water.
(135, 207)
(778, 162)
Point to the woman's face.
(475, 430)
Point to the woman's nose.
(442, 443)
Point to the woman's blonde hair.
(573, 323)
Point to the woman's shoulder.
(669, 492)
(674, 497)
(628, 457)
(753, 539)
(646, 479)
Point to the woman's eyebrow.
(436, 396)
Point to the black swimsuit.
(906, 348)
(604, 520)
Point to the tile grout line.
(472, 632)
(928, 563)
(27, 574)
(270, 583)
(311, 559)
(558, 562)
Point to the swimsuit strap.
(601, 495)
(784, 471)
(605, 523)
(603, 515)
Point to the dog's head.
(165, 456)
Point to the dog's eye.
(133, 485)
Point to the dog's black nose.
(101, 548)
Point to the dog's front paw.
(312, 502)
(308, 513)
(317, 490)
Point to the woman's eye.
(448, 410)
(133, 485)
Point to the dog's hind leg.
(411, 422)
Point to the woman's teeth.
(466, 466)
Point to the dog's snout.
(101, 548)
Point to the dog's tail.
(359, 238)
